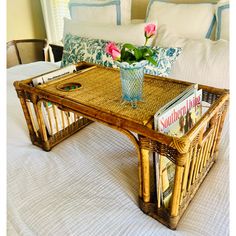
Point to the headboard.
(139, 6)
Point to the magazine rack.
(47, 108)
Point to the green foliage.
(131, 54)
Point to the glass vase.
(131, 76)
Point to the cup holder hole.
(69, 87)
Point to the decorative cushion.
(190, 1)
(114, 12)
(165, 58)
(202, 61)
(222, 19)
(188, 20)
(130, 33)
(78, 48)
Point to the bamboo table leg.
(145, 174)
(145, 170)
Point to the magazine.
(54, 118)
(174, 119)
(180, 117)
(42, 79)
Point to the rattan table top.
(101, 89)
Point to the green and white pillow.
(78, 48)
(165, 58)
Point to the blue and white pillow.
(78, 48)
(187, 19)
(222, 19)
(165, 58)
(115, 12)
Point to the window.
(53, 12)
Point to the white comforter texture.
(202, 61)
(88, 184)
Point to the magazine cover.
(176, 120)
(180, 118)
(190, 90)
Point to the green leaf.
(151, 60)
(132, 50)
(131, 54)
(138, 54)
(129, 46)
(145, 52)
(127, 56)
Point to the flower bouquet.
(131, 60)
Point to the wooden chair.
(26, 51)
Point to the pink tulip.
(150, 30)
(115, 55)
(112, 50)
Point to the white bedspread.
(88, 184)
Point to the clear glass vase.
(131, 76)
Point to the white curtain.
(53, 13)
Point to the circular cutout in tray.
(69, 87)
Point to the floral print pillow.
(78, 48)
(165, 58)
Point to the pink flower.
(150, 30)
(112, 50)
(115, 55)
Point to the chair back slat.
(25, 51)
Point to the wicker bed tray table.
(97, 98)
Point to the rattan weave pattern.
(99, 99)
(101, 88)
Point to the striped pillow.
(115, 12)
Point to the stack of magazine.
(54, 118)
(174, 119)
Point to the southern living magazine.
(181, 117)
(175, 119)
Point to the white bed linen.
(88, 184)
(202, 61)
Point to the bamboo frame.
(193, 154)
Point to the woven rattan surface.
(101, 89)
(95, 93)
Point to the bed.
(88, 184)
(78, 190)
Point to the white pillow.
(101, 11)
(188, 20)
(131, 33)
(222, 19)
(202, 61)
